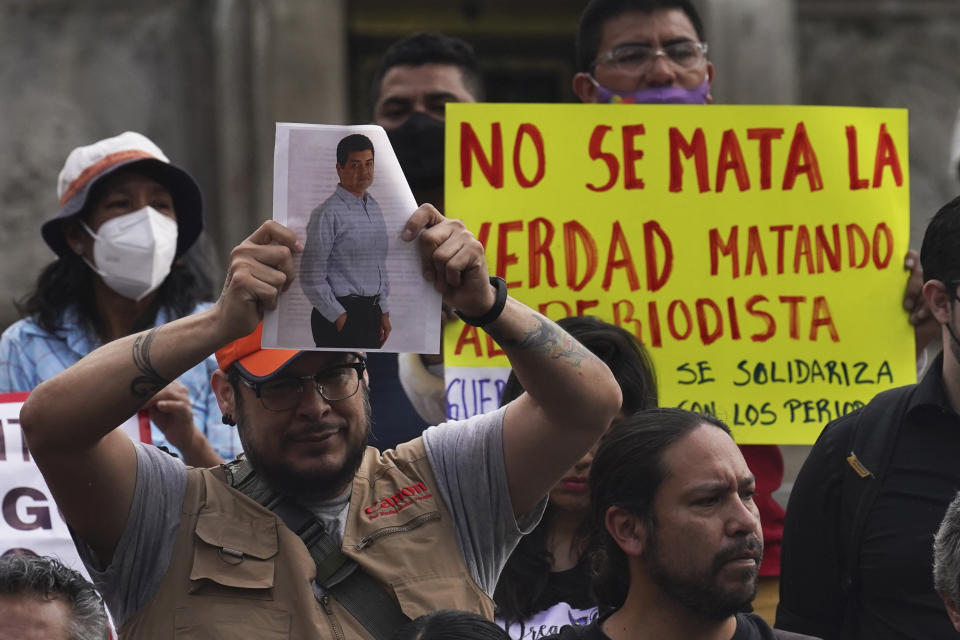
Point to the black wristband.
(499, 302)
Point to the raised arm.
(69, 421)
(571, 396)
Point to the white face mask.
(134, 251)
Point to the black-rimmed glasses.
(333, 384)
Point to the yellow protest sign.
(756, 251)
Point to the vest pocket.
(419, 596)
(230, 621)
(236, 553)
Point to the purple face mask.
(655, 95)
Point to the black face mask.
(418, 143)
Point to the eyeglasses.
(333, 384)
(637, 59)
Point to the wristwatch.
(499, 302)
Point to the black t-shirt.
(565, 599)
(571, 586)
(749, 627)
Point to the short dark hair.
(353, 142)
(620, 350)
(431, 48)
(940, 253)
(450, 623)
(47, 578)
(599, 12)
(627, 472)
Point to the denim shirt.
(29, 355)
(345, 253)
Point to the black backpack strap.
(337, 575)
(365, 600)
(872, 443)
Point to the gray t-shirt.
(466, 458)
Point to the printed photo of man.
(343, 270)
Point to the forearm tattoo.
(147, 384)
(547, 338)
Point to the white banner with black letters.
(31, 522)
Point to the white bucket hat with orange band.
(86, 166)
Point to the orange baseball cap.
(254, 364)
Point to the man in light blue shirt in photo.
(343, 271)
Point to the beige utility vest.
(398, 530)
